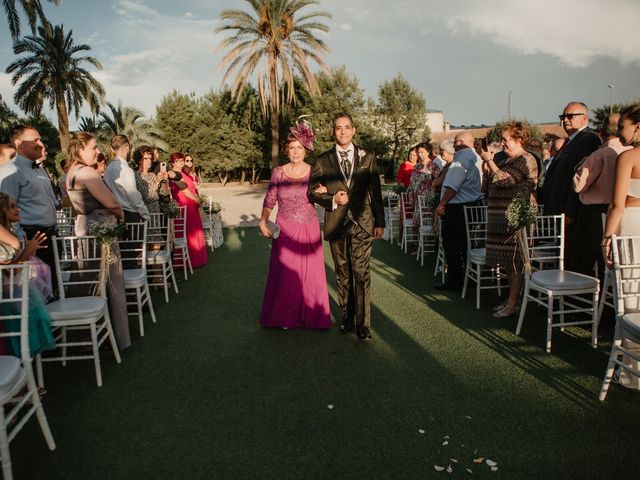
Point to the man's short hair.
(342, 115)
(119, 141)
(18, 131)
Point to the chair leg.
(466, 278)
(7, 473)
(96, 354)
(150, 302)
(523, 309)
(173, 278)
(184, 262)
(63, 339)
(42, 418)
(603, 296)
(139, 305)
(561, 300)
(608, 376)
(594, 320)
(112, 337)
(165, 283)
(550, 320)
(478, 276)
(39, 371)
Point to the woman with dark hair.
(406, 168)
(296, 294)
(147, 182)
(183, 191)
(517, 174)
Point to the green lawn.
(209, 394)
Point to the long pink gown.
(195, 234)
(296, 293)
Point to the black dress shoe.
(364, 333)
(448, 287)
(346, 327)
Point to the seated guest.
(14, 250)
(405, 169)
(121, 180)
(461, 187)
(96, 204)
(593, 182)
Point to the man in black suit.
(354, 217)
(558, 193)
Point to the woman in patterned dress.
(147, 182)
(517, 174)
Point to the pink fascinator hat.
(304, 133)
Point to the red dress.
(195, 233)
(404, 173)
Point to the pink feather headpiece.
(304, 133)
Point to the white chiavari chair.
(84, 272)
(625, 253)
(426, 240)
(409, 230)
(392, 214)
(159, 265)
(180, 249)
(19, 398)
(547, 286)
(65, 223)
(475, 219)
(134, 263)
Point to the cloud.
(346, 27)
(576, 32)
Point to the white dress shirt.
(121, 180)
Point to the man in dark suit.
(558, 193)
(354, 217)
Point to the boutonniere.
(361, 154)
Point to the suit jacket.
(365, 195)
(558, 195)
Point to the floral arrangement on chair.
(168, 206)
(107, 232)
(400, 188)
(520, 215)
(216, 207)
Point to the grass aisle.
(209, 394)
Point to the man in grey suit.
(354, 217)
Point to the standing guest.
(593, 182)
(461, 187)
(424, 172)
(446, 153)
(184, 193)
(517, 175)
(94, 202)
(7, 153)
(435, 156)
(405, 169)
(554, 148)
(101, 164)
(30, 185)
(624, 217)
(121, 180)
(147, 182)
(296, 294)
(354, 217)
(190, 169)
(558, 194)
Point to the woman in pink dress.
(184, 193)
(296, 293)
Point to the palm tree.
(129, 121)
(31, 8)
(52, 72)
(88, 124)
(273, 41)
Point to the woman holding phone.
(148, 182)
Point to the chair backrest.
(407, 205)
(14, 305)
(425, 212)
(79, 266)
(475, 221)
(180, 223)
(393, 202)
(133, 249)
(65, 222)
(546, 240)
(625, 253)
(158, 230)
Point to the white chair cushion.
(477, 255)
(425, 230)
(631, 326)
(180, 243)
(10, 373)
(407, 223)
(559, 280)
(158, 257)
(134, 278)
(76, 308)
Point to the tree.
(400, 114)
(598, 115)
(273, 41)
(33, 11)
(53, 72)
(8, 118)
(130, 121)
(176, 120)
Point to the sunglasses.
(569, 115)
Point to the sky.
(466, 57)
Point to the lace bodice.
(291, 196)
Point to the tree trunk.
(243, 175)
(63, 123)
(224, 177)
(275, 137)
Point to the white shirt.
(351, 150)
(121, 180)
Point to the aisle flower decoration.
(168, 206)
(520, 215)
(107, 231)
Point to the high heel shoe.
(497, 308)
(506, 312)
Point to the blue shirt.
(32, 190)
(464, 177)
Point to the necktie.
(344, 162)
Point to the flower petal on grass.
(438, 468)
(478, 460)
(491, 463)
(494, 469)
(421, 431)
(330, 407)
(445, 443)
(449, 469)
